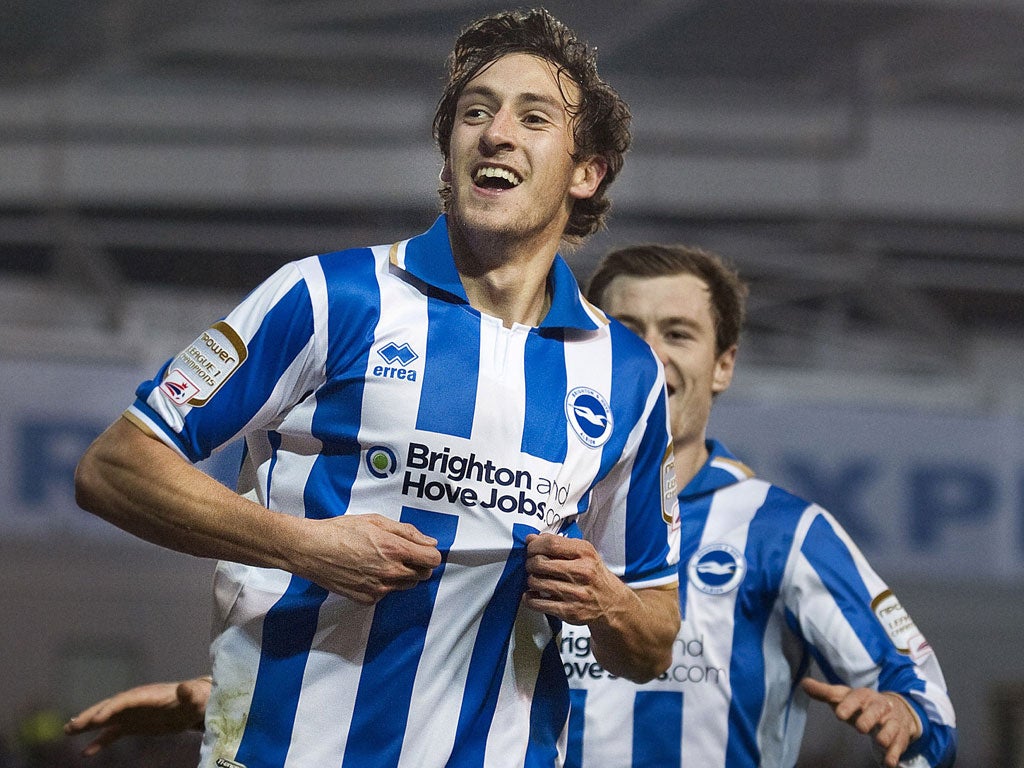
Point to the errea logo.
(403, 355)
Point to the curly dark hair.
(600, 120)
(728, 291)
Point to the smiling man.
(778, 604)
(402, 547)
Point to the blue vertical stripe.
(769, 539)
(451, 371)
(834, 564)
(274, 439)
(657, 729)
(393, 651)
(693, 518)
(646, 529)
(577, 727)
(288, 631)
(630, 385)
(544, 431)
(549, 710)
(353, 308)
(486, 665)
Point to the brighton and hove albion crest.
(589, 416)
(717, 568)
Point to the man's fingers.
(407, 531)
(105, 738)
(824, 692)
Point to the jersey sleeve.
(861, 636)
(242, 373)
(634, 517)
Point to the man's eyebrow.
(486, 92)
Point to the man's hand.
(146, 709)
(366, 557)
(566, 578)
(631, 630)
(886, 716)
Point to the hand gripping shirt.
(362, 381)
(772, 588)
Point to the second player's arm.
(135, 481)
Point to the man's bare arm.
(135, 481)
(631, 631)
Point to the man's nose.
(500, 133)
(653, 340)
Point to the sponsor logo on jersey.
(381, 461)
(689, 662)
(223, 762)
(478, 482)
(900, 628)
(201, 369)
(717, 569)
(398, 358)
(589, 416)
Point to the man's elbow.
(101, 469)
(89, 478)
(660, 658)
(655, 656)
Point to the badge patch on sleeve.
(196, 374)
(899, 626)
(669, 491)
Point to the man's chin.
(492, 223)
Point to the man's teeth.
(498, 173)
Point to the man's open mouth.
(492, 177)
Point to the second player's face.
(510, 163)
(673, 315)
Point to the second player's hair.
(728, 292)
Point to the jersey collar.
(428, 257)
(720, 470)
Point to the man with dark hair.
(443, 446)
(773, 588)
(600, 119)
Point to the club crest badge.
(589, 416)
(717, 569)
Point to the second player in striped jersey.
(773, 592)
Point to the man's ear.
(724, 367)
(445, 176)
(587, 177)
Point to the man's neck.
(689, 457)
(505, 279)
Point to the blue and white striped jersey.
(363, 381)
(774, 588)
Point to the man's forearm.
(137, 483)
(634, 640)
